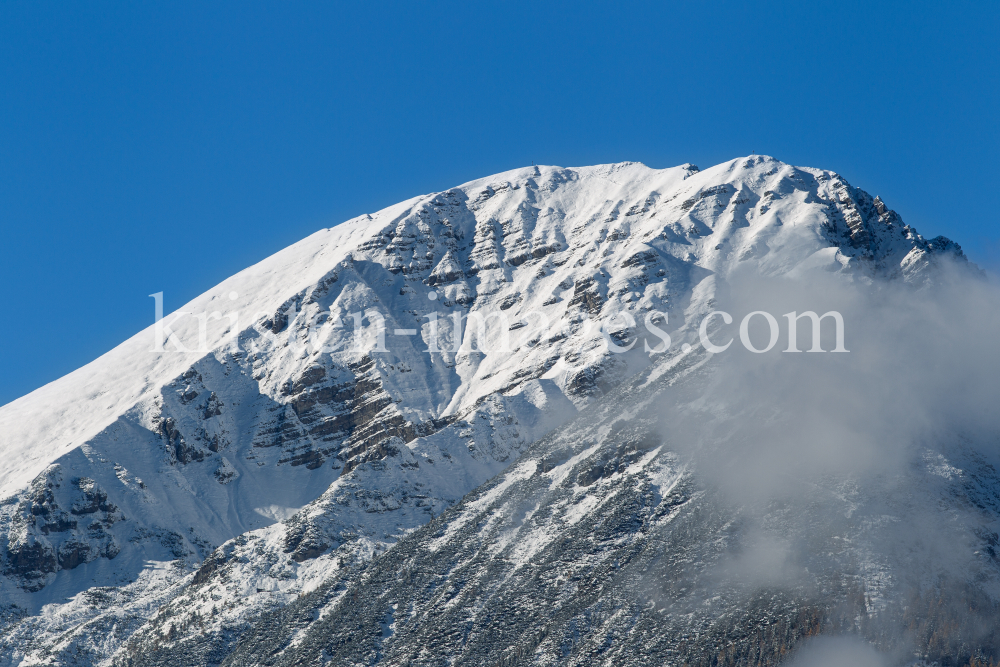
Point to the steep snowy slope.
(635, 535)
(273, 421)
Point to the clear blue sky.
(150, 147)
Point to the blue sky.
(150, 147)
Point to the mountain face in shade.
(260, 456)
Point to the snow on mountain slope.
(38, 428)
(291, 415)
(637, 535)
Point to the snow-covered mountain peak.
(318, 405)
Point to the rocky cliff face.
(174, 495)
(606, 543)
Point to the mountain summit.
(278, 435)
